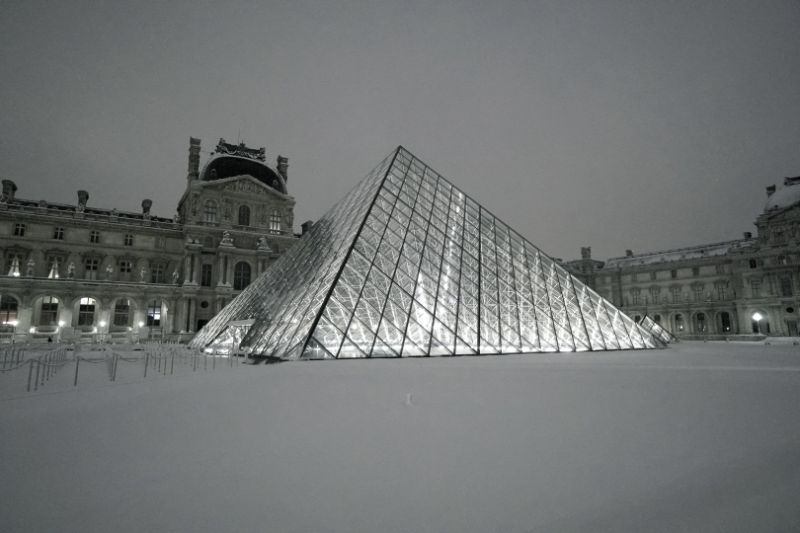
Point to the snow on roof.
(678, 254)
(786, 196)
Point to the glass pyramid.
(407, 265)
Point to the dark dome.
(227, 166)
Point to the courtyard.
(695, 437)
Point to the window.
(86, 312)
(244, 215)
(786, 286)
(654, 292)
(653, 276)
(154, 313)
(58, 233)
(48, 312)
(205, 275)
(125, 268)
(781, 260)
(725, 321)
(160, 243)
(122, 313)
(94, 236)
(753, 263)
(722, 290)
(91, 266)
(634, 277)
(635, 296)
(679, 322)
(673, 273)
(695, 271)
(698, 292)
(720, 269)
(13, 261)
(700, 322)
(210, 211)
(128, 239)
(637, 318)
(657, 319)
(8, 310)
(19, 230)
(158, 273)
(755, 288)
(275, 222)
(676, 294)
(241, 275)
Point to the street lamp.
(757, 317)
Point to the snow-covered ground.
(697, 437)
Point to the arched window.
(48, 312)
(122, 313)
(700, 322)
(211, 211)
(86, 311)
(8, 310)
(244, 215)
(725, 321)
(679, 322)
(241, 276)
(657, 319)
(154, 313)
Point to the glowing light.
(102, 323)
(12, 323)
(33, 330)
(61, 323)
(757, 316)
(94, 330)
(141, 324)
(15, 274)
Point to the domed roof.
(785, 197)
(231, 160)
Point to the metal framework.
(408, 265)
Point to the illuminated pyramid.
(408, 265)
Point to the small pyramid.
(407, 265)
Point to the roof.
(678, 254)
(784, 197)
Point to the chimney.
(628, 253)
(193, 171)
(306, 226)
(586, 252)
(283, 167)
(770, 190)
(83, 197)
(9, 189)
(791, 181)
(146, 205)
(748, 235)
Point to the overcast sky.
(641, 125)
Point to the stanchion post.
(77, 363)
(146, 361)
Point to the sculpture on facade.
(31, 264)
(71, 270)
(227, 240)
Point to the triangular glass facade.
(407, 265)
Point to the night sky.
(642, 125)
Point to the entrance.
(791, 327)
(200, 323)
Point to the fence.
(149, 359)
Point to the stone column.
(192, 303)
(196, 272)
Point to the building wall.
(173, 274)
(713, 289)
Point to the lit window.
(58, 233)
(94, 237)
(275, 222)
(154, 313)
(55, 266)
(19, 230)
(86, 312)
(8, 310)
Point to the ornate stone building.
(750, 285)
(77, 272)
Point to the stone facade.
(745, 286)
(75, 272)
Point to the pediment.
(244, 185)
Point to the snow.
(696, 437)
(678, 254)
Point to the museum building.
(744, 286)
(78, 272)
